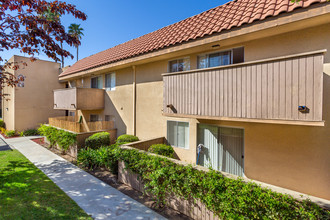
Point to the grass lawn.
(27, 193)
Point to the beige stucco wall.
(33, 103)
(8, 100)
(295, 157)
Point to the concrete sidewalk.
(98, 199)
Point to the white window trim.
(180, 58)
(109, 88)
(167, 128)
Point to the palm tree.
(55, 17)
(76, 31)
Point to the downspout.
(134, 100)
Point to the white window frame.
(188, 134)
(112, 87)
(181, 58)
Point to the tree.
(53, 16)
(76, 31)
(23, 27)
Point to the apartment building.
(248, 82)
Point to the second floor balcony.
(285, 89)
(79, 99)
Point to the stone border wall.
(199, 210)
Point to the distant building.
(31, 101)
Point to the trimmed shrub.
(10, 133)
(97, 140)
(2, 124)
(50, 133)
(63, 139)
(127, 138)
(30, 132)
(162, 149)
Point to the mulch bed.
(112, 180)
(39, 141)
(4, 135)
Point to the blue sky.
(110, 22)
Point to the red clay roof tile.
(223, 17)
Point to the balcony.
(79, 99)
(278, 90)
(71, 124)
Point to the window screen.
(94, 118)
(179, 65)
(178, 134)
(110, 81)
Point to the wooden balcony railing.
(70, 123)
(271, 89)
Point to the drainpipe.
(134, 100)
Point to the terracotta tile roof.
(224, 17)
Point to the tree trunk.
(62, 55)
(77, 53)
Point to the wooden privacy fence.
(69, 123)
(264, 89)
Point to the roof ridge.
(161, 28)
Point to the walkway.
(98, 199)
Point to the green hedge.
(63, 139)
(228, 198)
(97, 140)
(2, 124)
(126, 138)
(29, 132)
(162, 149)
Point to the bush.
(3, 130)
(50, 133)
(227, 198)
(2, 124)
(63, 139)
(30, 132)
(10, 133)
(162, 149)
(101, 157)
(97, 140)
(127, 138)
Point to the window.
(109, 118)
(178, 134)
(235, 55)
(110, 81)
(179, 65)
(72, 84)
(94, 118)
(71, 113)
(96, 82)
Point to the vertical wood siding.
(272, 89)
